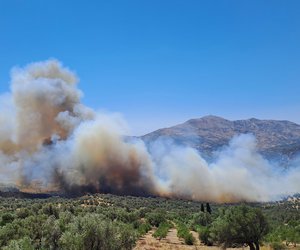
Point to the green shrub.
(204, 236)
(21, 244)
(184, 233)
(277, 246)
(92, 232)
(144, 228)
(156, 218)
(7, 218)
(114, 222)
(189, 239)
(239, 225)
(22, 213)
(202, 219)
(162, 230)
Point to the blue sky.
(162, 62)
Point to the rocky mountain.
(276, 140)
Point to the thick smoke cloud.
(238, 173)
(50, 141)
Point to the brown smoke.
(47, 115)
(50, 141)
(102, 160)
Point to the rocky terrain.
(276, 140)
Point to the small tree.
(208, 209)
(202, 219)
(202, 208)
(24, 244)
(156, 217)
(240, 225)
(290, 233)
(6, 218)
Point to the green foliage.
(116, 222)
(51, 233)
(92, 232)
(241, 225)
(6, 218)
(22, 213)
(289, 233)
(204, 236)
(156, 218)
(49, 209)
(144, 228)
(202, 219)
(162, 230)
(21, 244)
(277, 246)
(126, 237)
(184, 233)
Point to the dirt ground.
(148, 242)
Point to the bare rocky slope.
(276, 140)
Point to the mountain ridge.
(276, 139)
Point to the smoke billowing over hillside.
(50, 141)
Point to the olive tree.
(240, 225)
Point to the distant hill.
(277, 140)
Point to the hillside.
(276, 140)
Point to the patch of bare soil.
(148, 242)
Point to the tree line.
(117, 222)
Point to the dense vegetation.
(185, 234)
(116, 222)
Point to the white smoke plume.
(50, 141)
(239, 173)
